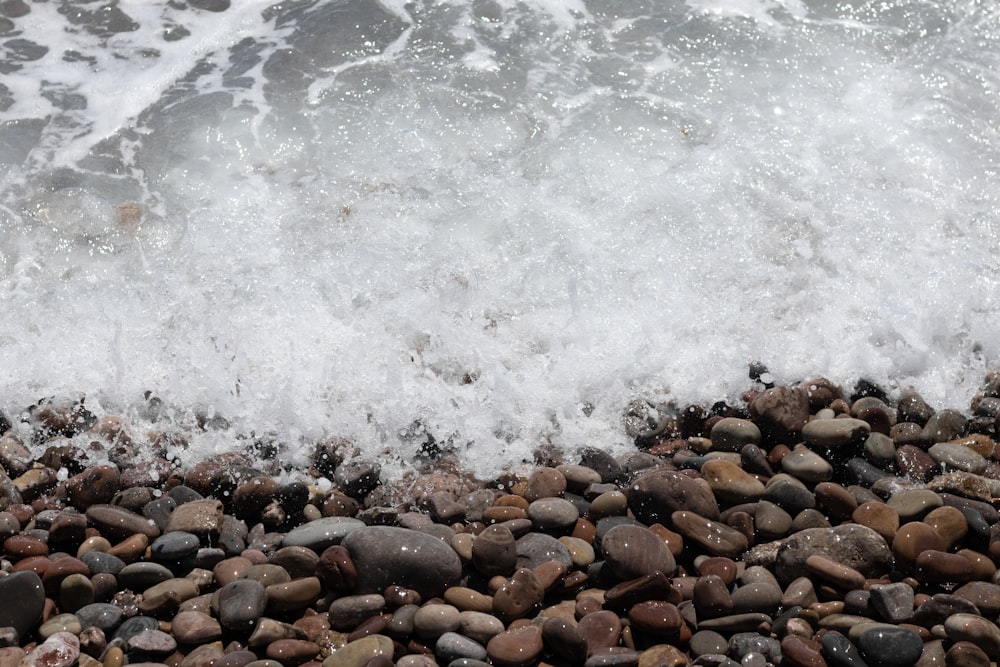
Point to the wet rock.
(518, 596)
(957, 457)
(890, 646)
(117, 523)
(653, 497)
(386, 556)
(518, 647)
(893, 602)
(634, 551)
(60, 650)
(27, 589)
(731, 434)
(322, 533)
(780, 413)
(357, 478)
(545, 483)
(856, 546)
(806, 465)
(534, 549)
(199, 517)
(553, 514)
(96, 485)
(836, 433)
(241, 604)
(716, 538)
(730, 483)
(975, 629)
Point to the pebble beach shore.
(803, 525)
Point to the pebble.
(806, 465)
(975, 629)
(893, 602)
(453, 646)
(890, 646)
(841, 651)
(322, 533)
(241, 604)
(553, 514)
(855, 546)
(60, 650)
(358, 653)
(600, 629)
(633, 551)
(174, 546)
(27, 589)
(386, 556)
(835, 433)
(516, 597)
(730, 483)
(716, 538)
(534, 549)
(655, 496)
(545, 483)
(966, 654)
(731, 434)
(957, 457)
(117, 522)
(433, 620)
(518, 647)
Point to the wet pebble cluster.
(803, 527)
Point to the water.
(494, 223)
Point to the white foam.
(500, 231)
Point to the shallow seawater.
(492, 223)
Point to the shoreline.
(805, 525)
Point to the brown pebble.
(17, 547)
(313, 624)
(131, 548)
(550, 575)
(397, 596)
(93, 486)
(911, 539)
(878, 516)
(519, 647)
(655, 586)
(37, 564)
(496, 514)
(545, 483)
(711, 597)
(586, 605)
(494, 551)
(336, 568)
(600, 629)
(934, 566)
(840, 575)
(799, 652)
(518, 596)
(563, 639)
(298, 561)
(292, 652)
(724, 568)
(716, 538)
(950, 524)
(231, 569)
(656, 617)
(966, 654)
(510, 500)
(584, 530)
(293, 595)
(837, 501)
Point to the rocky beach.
(801, 525)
